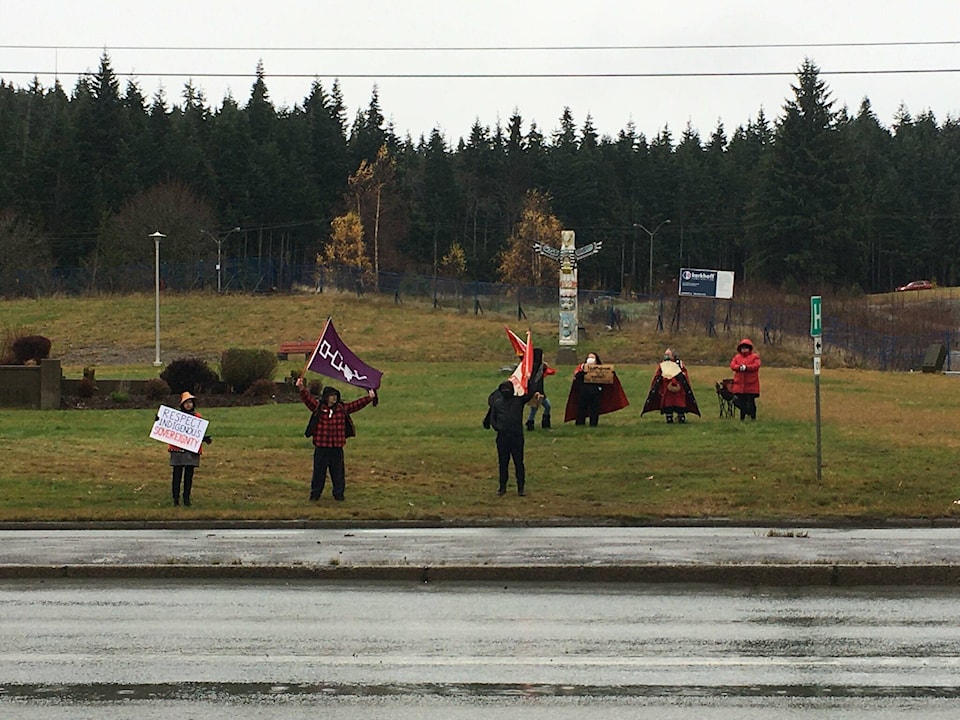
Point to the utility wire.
(495, 75)
(494, 48)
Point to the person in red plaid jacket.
(330, 435)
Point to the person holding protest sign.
(330, 426)
(184, 462)
(590, 396)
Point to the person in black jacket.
(538, 395)
(505, 415)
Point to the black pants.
(747, 404)
(328, 458)
(588, 406)
(510, 445)
(184, 472)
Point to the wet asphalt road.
(106, 648)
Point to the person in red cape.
(589, 400)
(670, 390)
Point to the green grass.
(422, 455)
(889, 439)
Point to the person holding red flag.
(505, 416)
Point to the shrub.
(30, 348)
(87, 387)
(189, 375)
(120, 397)
(156, 389)
(260, 388)
(242, 367)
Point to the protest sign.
(180, 429)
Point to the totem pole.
(568, 256)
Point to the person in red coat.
(746, 379)
(333, 427)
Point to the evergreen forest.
(818, 196)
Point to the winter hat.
(746, 342)
(328, 391)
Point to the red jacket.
(746, 381)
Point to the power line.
(490, 48)
(495, 75)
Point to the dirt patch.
(139, 402)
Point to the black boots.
(175, 488)
(529, 424)
(545, 422)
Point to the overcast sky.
(217, 44)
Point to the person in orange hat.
(183, 461)
(746, 379)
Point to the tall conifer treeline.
(816, 196)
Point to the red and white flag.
(518, 345)
(521, 376)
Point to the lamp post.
(156, 287)
(651, 233)
(219, 241)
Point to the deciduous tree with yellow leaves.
(519, 263)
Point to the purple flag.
(334, 359)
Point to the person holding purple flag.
(330, 423)
(330, 426)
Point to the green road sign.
(816, 324)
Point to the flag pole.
(314, 353)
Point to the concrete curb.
(781, 575)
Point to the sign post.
(816, 332)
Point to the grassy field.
(889, 440)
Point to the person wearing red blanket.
(670, 390)
(330, 435)
(587, 400)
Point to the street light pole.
(651, 233)
(156, 288)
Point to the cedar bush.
(241, 367)
(189, 375)
(156, 389)
(260, 388)
(30, 348)
(87, 387)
